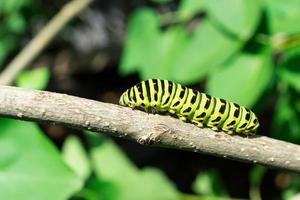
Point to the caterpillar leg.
(172, 111)
(248, 133)
(199, 124)
(182, 118)
(132, 106)
(152, 111)
(214, 128)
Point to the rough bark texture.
(144, 128)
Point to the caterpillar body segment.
(163, 96)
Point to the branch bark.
(158, 130)
(36, 46)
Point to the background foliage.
(246, 51)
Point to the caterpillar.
(203, 110)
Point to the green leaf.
(210, 184)
(189, 8)
(36, 79)
(243, 80)
(283, 16)
(12, 23)
(292, 191)
(141, 42)
(112, 165)
(256, 176)
(13, 5)
(290, 76)
(288, 70)
(148, 50)
(155, 180)
(291, 194)
(75, 156)
(7, 45)
(98, 190)
(170, 46)
(30, 166)
(174, 54)
(286, 118)
(16, 23)
(207, 48)
(238, 17)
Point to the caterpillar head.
(125, 100)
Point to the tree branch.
(144, 128)
(35, 46)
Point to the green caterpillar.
(163, 96)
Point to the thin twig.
(150, 129)
(37, 44)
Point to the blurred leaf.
(209, 183)
(107, 156)
(288, 70)
(31, 167)
(141, 42)
(16, 23)
(12, 24)
(155, 181)
(283, 15)
(111, 164)
(148, 50)
(207, 48)
(75, 156)
(98, 190)
(287, 113)
(292, 78)
(286, 124)
(13, 5)
(292, 191)
(189, 8)
(174, 54)
(170, 47)
(36, 79)
(256, 176)
(239, 17)
(283, 42)
(243, 80)
(295, 197)
(7, 44)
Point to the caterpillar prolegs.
(189, 105)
